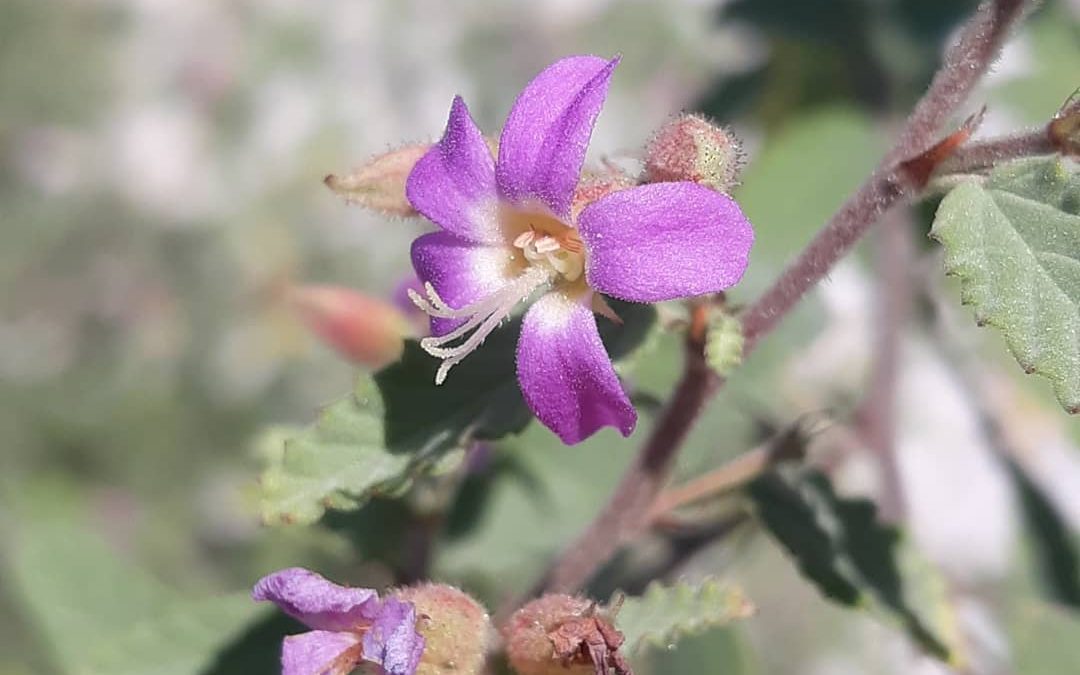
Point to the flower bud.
(689, 148)
(724, 343)
(456, 629)
(562, 635)
(596, 184)
(361, 328)
(380, 183)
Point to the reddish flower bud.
(380, 183)
(456, 629)
(563, 635)
(361, 328)
(689, 148)
(596, 184)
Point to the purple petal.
(392, 642)
(565, 373)
(663, 241)
(547, 132)
(320, 652)
(400, 296)
(453, 185)
(319, 603)
(462, 272)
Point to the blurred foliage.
(839, 546)
(159, 189)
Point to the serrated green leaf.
(664, 614)
(872, 549)
(839, 545)
(103, 616)
(334, 463)
(1014, 242)
(792, 519)
(399, 424)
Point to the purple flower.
(508, 231)
(349, 626)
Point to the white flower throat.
(546, 258)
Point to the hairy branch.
(985, 154)
(627, 511)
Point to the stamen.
(482, 317)
(525, 238)
(547, 245)
(571, 242)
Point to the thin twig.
(895, 257)
(731, 475)
(625, 513)
(965, 62)
(985, 154)
(963, 66)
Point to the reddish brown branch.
(628, 508)
(625, 513)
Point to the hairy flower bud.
(563, 635)
(690, 148)
(456, 629)
(596, 184)
(380, 183)
(361, 328)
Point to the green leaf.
(664, 614)
(399, 424)
(839, 545)
(106, 617)
(792, 519)
(1014, 243)
(335, 463)
(1054, 546)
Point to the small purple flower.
(508, 230)
(349, 626)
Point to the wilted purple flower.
(349, 626)
(508, 230)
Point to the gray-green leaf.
(1014, 242)
(664, 614)
(399, 424)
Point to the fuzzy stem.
(965, 62)
(984, 154)
(895, 256)
(629, 505)
(734, 474)
(627, 511)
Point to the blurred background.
(160, 186)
